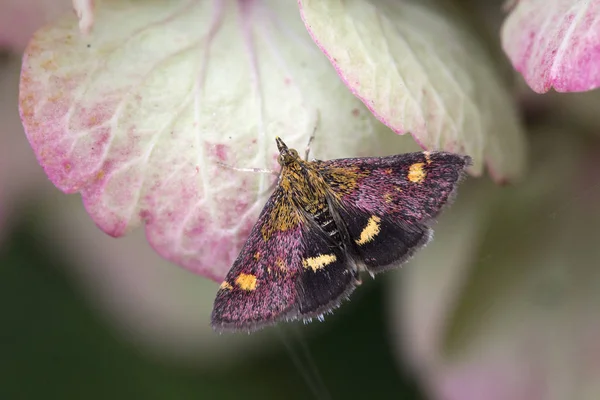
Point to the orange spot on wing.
(246, 282)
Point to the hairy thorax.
(303, 184)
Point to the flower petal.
(555, 43)
(20, 18)
(137, 115)
(522, 325)
(419, 70)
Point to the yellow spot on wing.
(371, 230)
(416, 173)
(257, 255)
(246, 282)
(225, 286)
(318, 262)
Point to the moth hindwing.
(326, 221)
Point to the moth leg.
(255, 170)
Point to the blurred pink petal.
(521, 324)
(19, 19)
(555, 43)
(137, 115)
(507, 377)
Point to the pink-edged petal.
(137, 115)
(500, 378)
(418, 68)
(521, 326)
(555, 43)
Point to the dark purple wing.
(286, 270)
(387, 203)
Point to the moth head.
(286, 156)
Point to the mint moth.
(327, 221)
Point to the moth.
(327, 221)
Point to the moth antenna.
(303, 256)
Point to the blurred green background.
(55, 346)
